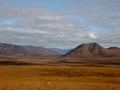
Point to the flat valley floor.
(59, 77)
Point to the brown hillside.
(91, 50)
(9, 49)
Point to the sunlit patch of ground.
(36, 77)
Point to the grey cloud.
(106, 21)
(81, 11)
(69, 31)
(55, 38)
(110, 16)
(13, 12)
(49, 38)
(61, 28)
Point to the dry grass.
(35, 77)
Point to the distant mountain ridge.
(60, 51)
(10, 49)
(86, 50)
(91, 50)
(113, 48)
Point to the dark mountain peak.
(93, 43)
(89, 45)
(87, 50)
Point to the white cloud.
(51, 18)
(92, 35)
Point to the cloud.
(65, 25)
(105, 21)
(92, 35)
(13, 12)
(81, 11)
(51, 18)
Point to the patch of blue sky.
(81, 18)
(96, 28)
(9, 21)
(117, 20)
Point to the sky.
(60, 23)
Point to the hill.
(88, 50)
(31, 51)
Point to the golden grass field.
(56, 77)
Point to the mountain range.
(86, 50)
(60, 51)
(31, 51)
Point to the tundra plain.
(14, 76)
